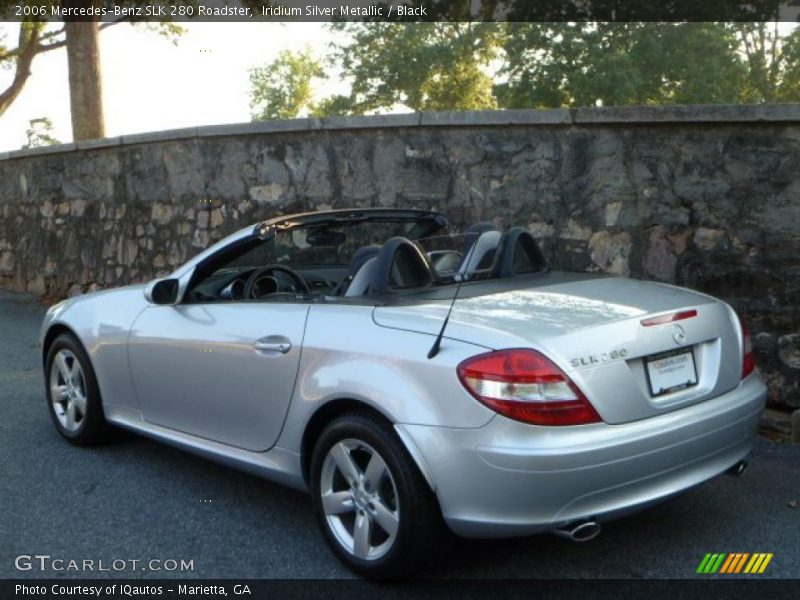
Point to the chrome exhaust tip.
(583, 531)
(738, 469)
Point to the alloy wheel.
(359, 499)
(68, 390)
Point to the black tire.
(421, 529)
(91, 428)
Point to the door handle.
(273, 343)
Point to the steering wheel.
(299, 283)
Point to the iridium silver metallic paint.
(192, 375)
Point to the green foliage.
(332, 106)
(284, 88)
(631, 10)
(166, 29)
(789, 90)
(772, 61)
(40, 133)
(424, 66)
(580, 64)
(468, 66)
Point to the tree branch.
(774, 67)
(44, 37)
(27, 49)
(53, 46)
(108, 24)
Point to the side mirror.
(162, 291)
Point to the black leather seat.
(361, 256)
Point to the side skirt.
(276, 464)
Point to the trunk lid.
(592, 328)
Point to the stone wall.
(705, 197)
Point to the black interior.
(361, 256)
(518, 254)
(400, 267)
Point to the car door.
(220, 371)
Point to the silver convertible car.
(414, 380)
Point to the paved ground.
(136, 499)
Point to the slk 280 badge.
(596, 359)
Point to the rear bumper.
(509, 478)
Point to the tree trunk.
(85, 79)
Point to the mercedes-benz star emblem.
(678, 334)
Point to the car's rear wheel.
(375, 509)
(72, 393)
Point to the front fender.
(101, 321)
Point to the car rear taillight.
(749, 359)
(670, 318)
(524, 385)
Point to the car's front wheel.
(375, 509)
(72, 393)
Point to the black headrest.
(480, 227)
(518, 252)
(401, 256)
(361, 256)
(473, 232)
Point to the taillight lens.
(749, 360)
(524, 385)
(670, 318)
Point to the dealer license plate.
(671, 371)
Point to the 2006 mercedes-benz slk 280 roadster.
(410, 377)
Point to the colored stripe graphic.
(756, 558)
(734, 562)
(741, 562)
(765, 563)
(715, 567)
(728, 565)
(703, 563)
(711, 563)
